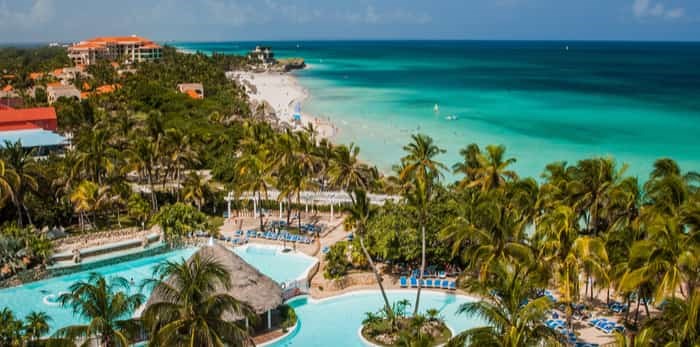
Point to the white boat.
(451, 117)
(436, 108)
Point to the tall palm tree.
(347, 172)
(514, 320)
(255, 174)
(191, 313)
(469, 166)
(492, 170)
(107, 306)
(37, 325)
(181, 153)
(195, 189)
(21, 171)
(10, 328)
(420, 170)
(678, 324)
(359, 215)
(88, 198)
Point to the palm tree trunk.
(154, 201)
(262, 223)
(422, 269)
(636, 314)
(387, 306)
(19, 213)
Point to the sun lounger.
(442, 274)
(325, 249)
(453, 285)
(445, 284)
(428, 283)
(414, 282)
(403, 281)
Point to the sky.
(250, 20)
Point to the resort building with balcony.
(57, 91)
(128, 49)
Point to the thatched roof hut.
(247, 283)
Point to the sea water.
(633, 101)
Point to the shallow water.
(634, 101)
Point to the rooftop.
(27, 114)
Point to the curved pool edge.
(303, 275)
(284, 336)
(311, 299)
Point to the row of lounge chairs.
(606, 326)
(569, 336)
(428, 283)
(275, 236)
(429, 274)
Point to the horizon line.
(29, 43)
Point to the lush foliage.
(107, 306)
(190, 311)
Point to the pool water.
(336, 321)
(40, 295)
(280, 266)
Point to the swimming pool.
(40, 295)
(336, 321)
(278, 265)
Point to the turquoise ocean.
(545, 101)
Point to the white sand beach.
(282, 91)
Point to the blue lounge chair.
(445, 284)
(414, 282)
(453, 285)
(403, 281)
(428, 283)
(442, 274)
(325, 249)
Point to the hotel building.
(127, 49)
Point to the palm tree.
(21, 172)
(347, 172)
(359, 214)
(37, 325)
(191, 313)
(181, 153)
(514, 320)
(179, 220)
(469, 165)
(10, 328)
(255, 174)
(196, 189)
(107, 306)
(419, 172)
(487, 230)
(89, 198)
(492, 170)
(678, 324)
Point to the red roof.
(27, 114)
(24, 126)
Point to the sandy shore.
(283, 91)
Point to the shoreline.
(282, 91)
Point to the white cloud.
(646, 9)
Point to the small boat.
(436, 108)
(567, 48)
(451, 117)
